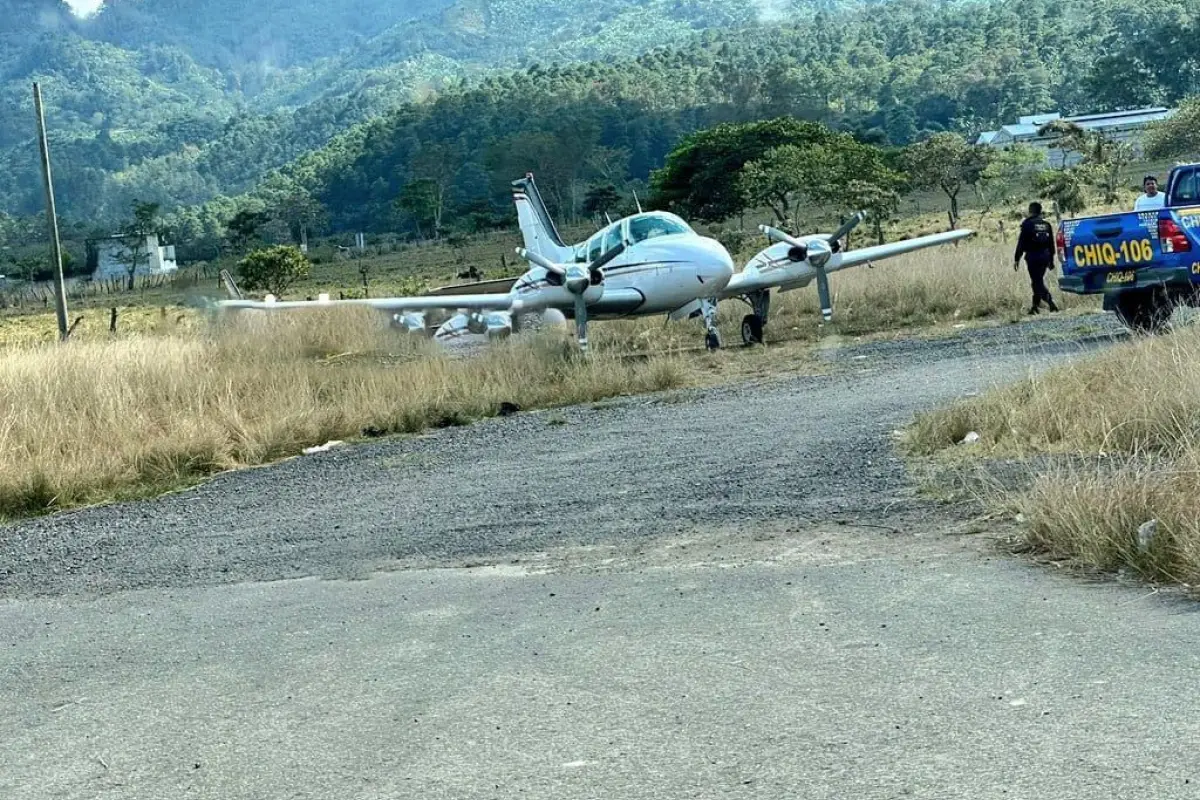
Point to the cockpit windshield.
(650, 226)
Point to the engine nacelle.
(493, 324)
(410, 321)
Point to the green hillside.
(891, 78)
(159, 99)
(154, 99)
(235, 33)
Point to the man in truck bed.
(1151, 198)
(1036, 243)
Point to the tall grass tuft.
(1133, 414)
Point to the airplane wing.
(755, 280)
(853, 258)
(473, 302)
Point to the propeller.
(576, 279)
(817, 252)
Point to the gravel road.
(731, 592)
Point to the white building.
(108, 258)
(1122, 126)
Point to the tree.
(783, 176)
(1066, 188)
(879, 199)
(419, 199)
(243, 229)
(1100, 158)
(946, 161)
(600, 199)
(1178, 136)
(841, 173)
(273, 269)
(135, 234)
(1009, 174)
(434, 168)
(701, 177)
(294, 205)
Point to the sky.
(82, 8)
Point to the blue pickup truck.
(1145, 263)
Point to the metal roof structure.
(1027, 128)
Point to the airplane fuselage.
(655, 276)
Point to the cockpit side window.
(612, 238)
(649, 227)
(594, 248)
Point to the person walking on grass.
(1036, 243)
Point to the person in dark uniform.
(1036, 243)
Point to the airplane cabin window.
(649, 227)
(594, 249)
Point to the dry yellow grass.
(1093, 516)
(91, 421)
(1133, 414)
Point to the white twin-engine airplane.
(643, 264)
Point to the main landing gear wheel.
(712, 340)
(752, 329)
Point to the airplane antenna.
(639, 202)
(607, 217)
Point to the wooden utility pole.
(60, 292)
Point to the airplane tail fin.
(537, 228)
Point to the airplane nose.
(719, 261)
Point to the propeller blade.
(581, 321)
(841, 232)
(823, 295)
(542, 262)
(600, 263)
(776, 235)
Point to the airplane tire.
(712, 341)
(752, 329)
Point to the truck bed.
(1131, 250)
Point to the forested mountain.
(231, 34)
(179, 102)
(892, 78)
(386, 132)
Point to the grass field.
(102, 419)
(1123, 432)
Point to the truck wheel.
(1145, 312)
